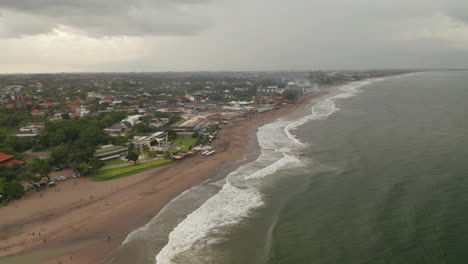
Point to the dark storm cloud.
(101, 18)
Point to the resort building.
(185, 130)
(37, 112)
(118, 129)
(132, 120)
(270, 89)
(30, 131)
(154, 142)
(9, 160)
(110, 153)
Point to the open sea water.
(375, 172)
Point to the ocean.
(374, 172)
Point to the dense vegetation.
(290, 95)
(70, 141)
(10, 121)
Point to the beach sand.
(73, 225)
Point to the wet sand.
(75, 223)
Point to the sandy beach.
(82, 221)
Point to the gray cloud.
(180, 35)
(101, 18)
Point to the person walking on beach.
(108, 238)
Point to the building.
(37, 112)
(110, 152)
(132, 120)
(118, 129)
(154, 142)
(185, 130)
(9, 160)
(30, 131)
(270, 89)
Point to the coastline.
(75, 230)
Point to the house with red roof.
(109, 101)
(37, 112)
(9, 160)
(74, 107)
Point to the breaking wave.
(240, 193)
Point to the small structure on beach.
(184, 155)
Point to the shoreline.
(76, 230)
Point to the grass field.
(184, 143)
(117, 162)
(111, 174)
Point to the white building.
(132, 119)
(270, 89)
(154, 142)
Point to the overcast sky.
(192, 35)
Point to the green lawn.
(111, 174)
(184, 143)
(117, 162)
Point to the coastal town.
(77, 149)
(113, 125)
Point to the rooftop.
(106, 150)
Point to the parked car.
(40, 185)
(51, 184)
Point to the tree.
(8, 173)
(83, 168)
(14, 190)
(8, 150)
(95, 164)
(142, 128)
(40, 167)
(59, 155)
(195, 135)
(31, 178)
(66, 116)
(174, 119)
(133, 156)
(212, 128)
(290, 95)
(82, 153)
(88, 168)
(171, 134)
(3, 183)
(19, 144)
